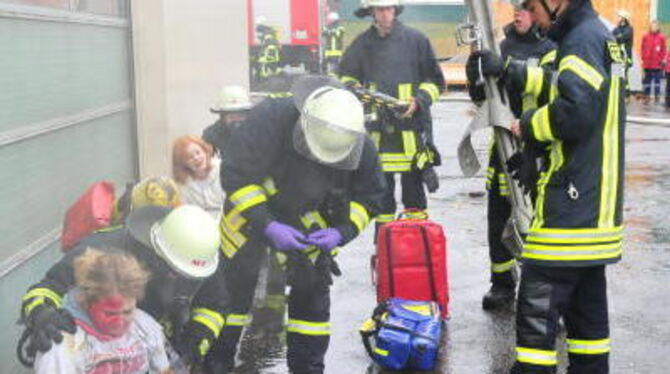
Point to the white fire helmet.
(232, 99)
(187, 238)
(331, 129)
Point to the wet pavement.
(481, 342)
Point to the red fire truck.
(298, 23)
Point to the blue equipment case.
(406, 334)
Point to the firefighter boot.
(502, 291)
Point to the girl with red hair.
(196, 171)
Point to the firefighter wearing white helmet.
(180, 247)
(232, 106)
(303, 179)
(399, 61)
(333, 36)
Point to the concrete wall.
(184, 52)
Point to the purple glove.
(325, 239)
(284, 237)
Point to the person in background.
(333, 35)
(112, 335)
(232, 107)
(667, 80)
(653, 58)
(270, 50)
(399, 61)
(624, 34)
(196, 170)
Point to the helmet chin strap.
(553, 14)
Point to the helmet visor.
(327, 143)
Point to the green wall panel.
(52, 69)
(664, 10)
(41, 177)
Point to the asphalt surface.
(483, 342)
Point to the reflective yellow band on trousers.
(588, 347)
(308, 328)
(502, 267)
(536, 356)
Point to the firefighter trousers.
(579, 296)
(308, 327)
(413, 197)
(498, 212)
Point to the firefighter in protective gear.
(624, 35)
(333, 35)
(378, 59)
(180, 248)
(232, 106)
(521, 45)
(578, 224)
(302, 178)
(270, 50)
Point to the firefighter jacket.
(401, 64)
(624, 35)
(653, 50)
(266, 179)
(578, 213)
(334, 40)
(59, 279)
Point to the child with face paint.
(112, 336)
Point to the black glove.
(193, 343)
(523, 169)
(47, 323)
(430, 179)
(491, 65)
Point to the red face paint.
(112, 315)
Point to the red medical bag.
(92, 211)
(411, 262)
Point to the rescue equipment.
(406, 334)
(92, 211)
(411, 262)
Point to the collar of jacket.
(577, 12)
(529, 37)
(396, 31)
